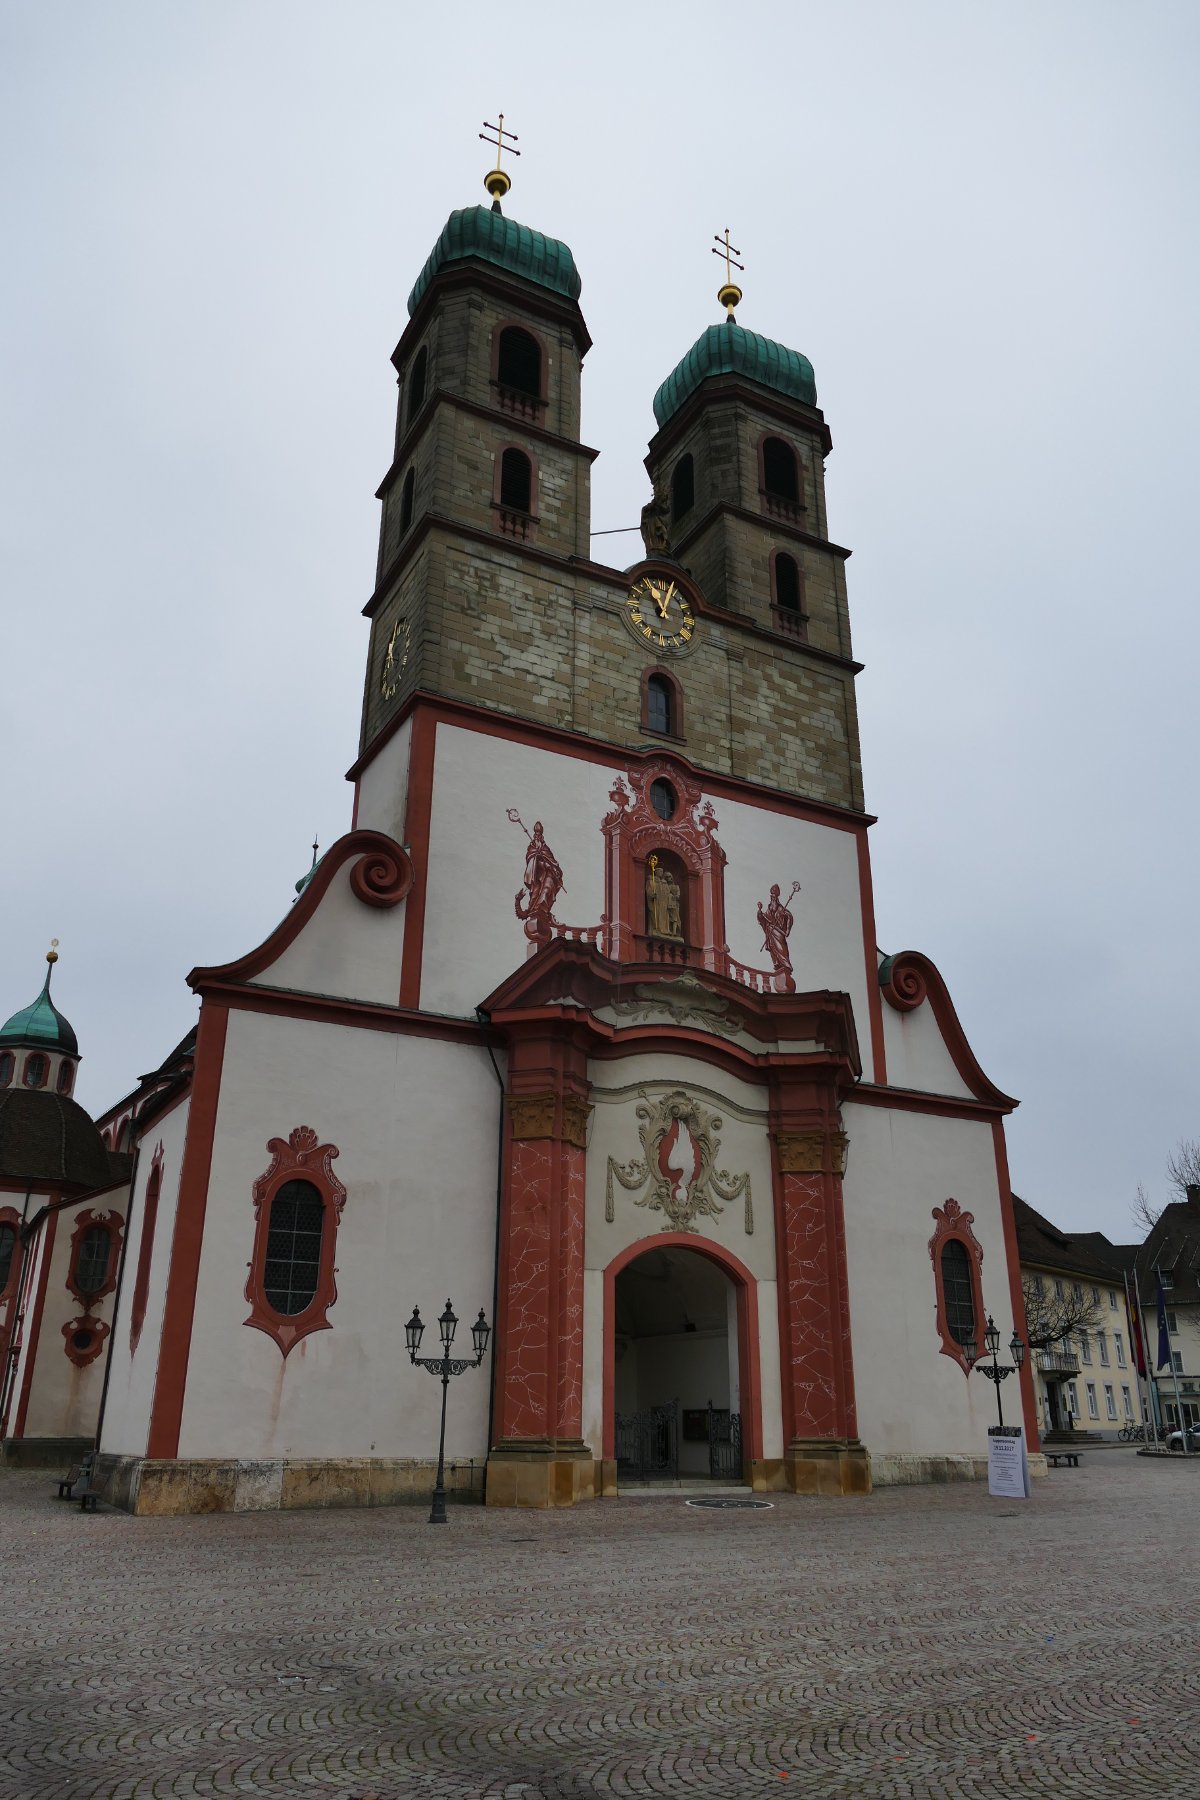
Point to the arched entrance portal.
(676, 1378)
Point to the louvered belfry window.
(293, 1260)
(956, 1290)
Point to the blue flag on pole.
(1164, 1336)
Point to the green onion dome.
(40, 1026)
(729, 350)
(485, 233)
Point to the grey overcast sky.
(978, 221)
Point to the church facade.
(584, 1020)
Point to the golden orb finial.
(52, 952)
(729, 293)
(497, 181)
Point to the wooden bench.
(1070, 1457)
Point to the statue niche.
(665, 890)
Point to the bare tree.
(1143, 1211)
(1051, 1317)
(1183, 1166)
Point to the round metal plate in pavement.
(716, 1505)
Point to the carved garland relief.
(676, 1173)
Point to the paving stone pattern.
(925, 1642)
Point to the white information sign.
(1008, 1463)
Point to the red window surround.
(86, 1221)
(141, 1286)
(953, 1222)
(8, 1063)
(37, 1069)
(301, 1158)
(10, 1217)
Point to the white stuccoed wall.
(131, 1382)
(383, 787)
(916, 1052)
(64, 1399)
(416, 1122)
(346, 949)
(912, 1400)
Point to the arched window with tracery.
(957, 1258)
(519, 372)
(416, 382)
(683, 487)
(297, 1204)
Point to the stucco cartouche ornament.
(675, 1172)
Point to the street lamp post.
(996, 1371)
(445, 1365)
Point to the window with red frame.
(8, 1063)
(957, 1294)
(92, 1258)
(292, 1269)
(37, 1067)
(8, 1249)
(65, 1076)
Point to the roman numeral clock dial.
(660, 614)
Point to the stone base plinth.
(43, 1453)
(827, 1466)
(913, 1470)
(145, 1486)
(542, 1475)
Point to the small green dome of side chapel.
(484, 232)
(727, 349)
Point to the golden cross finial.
(729, 293)
(497, 181)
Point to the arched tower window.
(788, 587)
(92, 1258)
(416, 382)
(8, 1063)
(37, 1068)
(406, 500)
(66, 1072)
(683, 487)
(658, 703)
(293, 1265)
(516, 481)
(519, 362)
(781, 480)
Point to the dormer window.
(519, 372)
(683, 488)
(416, 382)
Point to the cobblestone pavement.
(925, 1642)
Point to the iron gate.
(648, 1444)
(724, 1444)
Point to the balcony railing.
(1057, 1362)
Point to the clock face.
(395, 659)
(660, 613)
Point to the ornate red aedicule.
(954, 1223)
(301, 1158)
(113, 1225)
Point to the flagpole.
(1151, 1377)
(1141, 1368)
(1162, 1306)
